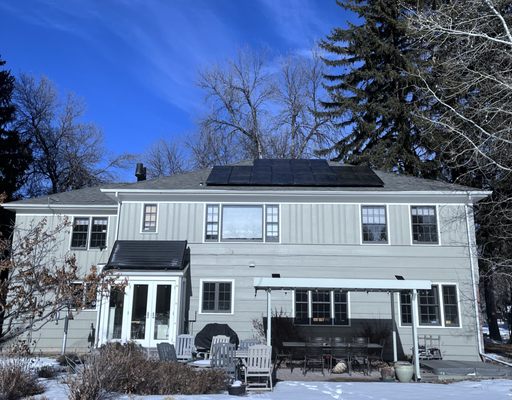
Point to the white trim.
(143, 212)
(215, 280)
(89, 232)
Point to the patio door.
(151, 314)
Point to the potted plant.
(236, 388)
(387, 374)
(404, 371)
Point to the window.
(97, 237)
(240, 222)
(424, 224)
(149, 218)
(430, 305)
(98, 233)
(217, 297)
(272, 223)
(451, 309)
(374, 224)
(321, 307)
(212, 222)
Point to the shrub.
(46, 371)
(69, 359)
(126, 369)
(17, 380)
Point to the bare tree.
(67, 154)
(165, 158)
(259, 109)
(39, 284)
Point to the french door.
(145, 313)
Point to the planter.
(387, 374)
(404, 371)
(237, 390)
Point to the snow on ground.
(503, 326)
(467, 390)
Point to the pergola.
(352, 285)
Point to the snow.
(466, 390)
(503, 326)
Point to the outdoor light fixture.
(399, 277)
(251, 264)
(276, 275)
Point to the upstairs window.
(321, 307)
(424, 224)
(149, 218)
(80, 233)
(98, 233)
(82, 236)
(374, 226)
(240, 222)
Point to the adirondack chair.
(258, 365)
(224, 357)
(218, 339)
(184, 347)
(246, 343)
(166, 352)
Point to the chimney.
(140, 172)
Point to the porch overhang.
(352, 285)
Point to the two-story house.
(340, 241)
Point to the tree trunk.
(490, 308)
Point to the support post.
(416, 358)
(393, 322)
(269, 317)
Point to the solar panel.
(277, 172)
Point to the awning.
(149, 255)
(352, 285)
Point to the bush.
(17, 380)
(69, 360)
(126, 369)
(46, 371)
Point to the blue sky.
(135, 62)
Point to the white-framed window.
(424, 225)
(438, 306)
(374, 224)
(217, 296)
(94, 238)
(149, 217)
(321, 307)
(241, 223)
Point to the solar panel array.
(276, 172)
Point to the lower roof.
(149, 255)
(353, 285)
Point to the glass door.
(139, 315)
(162, 313)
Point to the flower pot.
(387, 374)
(404, 371)
(237, 390)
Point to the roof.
(362, 285)
(196, 180)
(149, 255)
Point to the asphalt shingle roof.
(196, 180)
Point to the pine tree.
(14, 152)
(372, 95)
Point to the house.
(336, 248)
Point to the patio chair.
(184, 347)
(258, 366)
(166, 352)
(359, 354)
(215, 339)
(340, 351)
(315, 354)
(246, 343)
(224, 357)
(429, 347)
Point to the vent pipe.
(140, 172)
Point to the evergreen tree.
(372, 95)
(14, 153)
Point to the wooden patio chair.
(217, 339)
(224, 357)
(258, 366)
(166, 352)
(246, 343)
(184, 347)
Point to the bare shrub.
(46, 371)
(69, 359)
(17, 380)
(120, 368)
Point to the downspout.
(473, 278)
